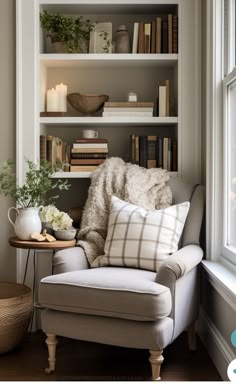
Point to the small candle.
(52, 100)
(62, 93)
(132, 96)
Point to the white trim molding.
(217, 347)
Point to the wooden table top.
(32, 244)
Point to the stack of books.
(128, 108)
(163, 105)
(88, 154)
(158, 36)
(154, 152)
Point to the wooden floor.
(83, 361)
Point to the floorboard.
(84, 361)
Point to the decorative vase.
(122, 40)
(27, 221)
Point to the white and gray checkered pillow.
(139, 238)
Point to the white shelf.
(85, 175)
(108, 60)
(99, 120)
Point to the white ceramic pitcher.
(27, 221)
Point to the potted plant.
(36, 191)
(67, 34)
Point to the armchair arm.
(179, 264)
(70, 259)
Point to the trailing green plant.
(73, 32)
(37, 188)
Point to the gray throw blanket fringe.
(129, 182)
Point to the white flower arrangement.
(57, 219)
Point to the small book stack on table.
(88, 154)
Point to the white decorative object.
(101, 38)
(139, 238)
(132, 96)
(27, 221)
(61, 94)
(89, 134)
(65, 234)
(52, 100)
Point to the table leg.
(26, 266)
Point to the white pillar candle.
(62, 93)
(52, 100)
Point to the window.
(229, 133)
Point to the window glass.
(231, 166)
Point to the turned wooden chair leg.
(156, 359)
(192, 340)
(51, 342)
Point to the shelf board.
(84, 175)
(108, 60)
(99, 120)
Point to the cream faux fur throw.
(129, 182)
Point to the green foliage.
(73, 32)
(37, 187)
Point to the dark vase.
(122, 40)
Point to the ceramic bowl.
(87, 103)
(65, 234)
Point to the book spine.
(141, 48)
(128, 104)
(135, 38)
(170, 33)
(136, 149)
(90, 145)
(89, 150)
(124, 114)
(175, 34)
(153, 36)
(128, 109)
(160, 152)
(167, 84)
(83, 168)
(174, 166)
(162, 100)
(143, 151)
(151, 149)
(165, 152)
(49, 150)
(87, 161)
(132, 146)
(169, 157)
(89, 155)
(158, 35)
(91, 141)
(147, 38)
(165, 36)
(43, 148)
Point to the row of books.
(159, 36)
(128, 108)
(154, 152)
(55, 151)
(88, 154)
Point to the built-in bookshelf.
(144, 70)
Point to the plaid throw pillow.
(139, 238)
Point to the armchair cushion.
(114, 292)
(140, 238)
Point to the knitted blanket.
(136, 185)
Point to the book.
(97, 43)
(141, 47)
(91, 140)
(136, 149)
(151, 151)
(162, 100)
(170, 32)
(49, 150)
(160, 152)
(128, 109)
(158, 35)
(169, 157)
(153, 36)
(143, 155)
(89, 150)
(128, 113)
(175, 34)
(165, 152)
(90, 145)
(135, 38)
(43, 148)
(167, 84)
(164, 36)
(89, 155)
(87, 161)
(174, 165)
(128, 104)
(147, 38)
(83, 168)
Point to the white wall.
(7, 128)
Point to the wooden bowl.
(87, 103)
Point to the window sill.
(223, 280)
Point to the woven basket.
(15, 313)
